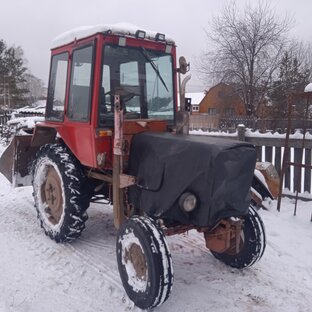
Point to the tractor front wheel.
(251, 246)
(144, 262)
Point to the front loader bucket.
(16, 160)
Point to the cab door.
(77, 131)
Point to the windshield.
(144, 80)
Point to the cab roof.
(123, 29)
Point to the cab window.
(80, 90)
(57, 87)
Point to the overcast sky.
(33, 24)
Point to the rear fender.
(266, 180)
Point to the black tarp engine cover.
(218, 171)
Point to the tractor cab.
(89, 68)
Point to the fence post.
(241, 129)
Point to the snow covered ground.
(38, 275)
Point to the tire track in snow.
(70, 265)
(191, 239)
(189, 249)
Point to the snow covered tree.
(36, 88)
(244, 50)
(12, 76)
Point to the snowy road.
(39, 275)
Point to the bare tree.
(303, 52)
(244, 49)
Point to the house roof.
(234, 90)
(196, 97)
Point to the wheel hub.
(226, 237)
(136, 256)
(52, 195)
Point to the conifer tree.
(292, 77)
(12, 76)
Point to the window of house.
(212, 111)
(57, 87)
(80, 85)
(229, 112)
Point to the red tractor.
(112, 130)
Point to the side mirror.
(184, 67)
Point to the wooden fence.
(208, 122)
(204, 121)
(272, 148)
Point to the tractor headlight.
(188, 201)
(160, 37)
(140, 34)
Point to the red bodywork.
(86, 140)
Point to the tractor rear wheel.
(59, 193)
(252, 243)
(144, 262)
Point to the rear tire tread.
(76, 201)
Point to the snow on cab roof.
(118, 29)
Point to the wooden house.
(223, 101)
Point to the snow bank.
(253, 134)
(214, 133)
(37, 107)
(25, 122)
